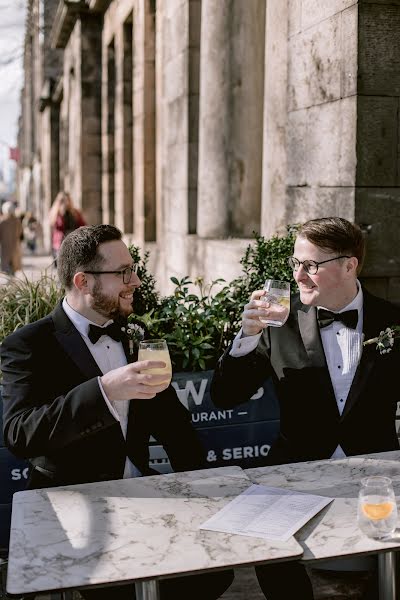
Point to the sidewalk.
(33, 266)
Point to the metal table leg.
(387, 575)
(147, 590)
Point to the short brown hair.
(335, 234)
(79, 250)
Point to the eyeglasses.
(126, 273)
(310, 266)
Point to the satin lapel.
(309, 332)
(71, 341)
(372, 325)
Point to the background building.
(192, 123)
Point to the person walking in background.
(80, 407)
(336, 397)
(31, 230)
(10, 239)
(64, 217)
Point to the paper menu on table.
(267, 512)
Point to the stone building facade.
(192, 123)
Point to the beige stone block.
(175, 81)
(179, 30)
(294, 14)
(331, 143)
(305, 203)
(176, 174)
(316, 11)
(176, 220)
(315, 64)
(176, 117)
(349, 51)
(297, 158)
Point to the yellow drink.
(161, 355)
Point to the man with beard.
(77, 408)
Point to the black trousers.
(208, 586)
(285, 581)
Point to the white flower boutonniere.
(385, 340)
(135, 335)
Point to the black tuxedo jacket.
(310, 424)
(54, 413)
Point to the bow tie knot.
(349, 318)
(113, 330)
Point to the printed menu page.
(267, 512)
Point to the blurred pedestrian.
(10, 239)
(64, 218)
(31, 229)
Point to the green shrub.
(23, 301)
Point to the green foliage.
(199, 321)
(146, 297)
(265, 259)
(197, 326)
(23, 301)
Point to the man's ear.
(81, 282)
(352, 265)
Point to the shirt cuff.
(110, 406)
(244, 345)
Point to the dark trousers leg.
(284, 581)
(209, 586)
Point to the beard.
(108, 306)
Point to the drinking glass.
(156, 350)
(377, 509)
(278, 295)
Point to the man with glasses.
(79, 407)
(335, 396)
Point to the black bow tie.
(113, 330)
(348, 317)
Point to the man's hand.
(132, 381)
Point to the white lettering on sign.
(17, 474)
(197, 396)
(214, 415)
(245, 452)
(259, 394)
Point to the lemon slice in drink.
(383, 510)
(284, 302)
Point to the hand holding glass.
(156, 350)
(377, 509)
(278, 295)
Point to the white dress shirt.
(108, 355)
(342, 346)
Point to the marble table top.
(127, 530)
(334, 532)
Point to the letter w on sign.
(190, 390)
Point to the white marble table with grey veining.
(129, 530)
(334, 533)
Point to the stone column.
(231, 107)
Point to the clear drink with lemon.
(377, 509)
(277, 293)
(156, 350)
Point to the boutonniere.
(385, 340)
(135, 334)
